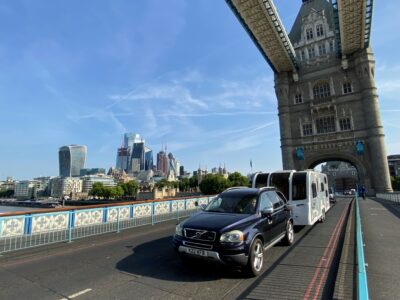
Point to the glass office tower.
(72, 159)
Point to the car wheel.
(256, 258)
(289, 236)
(323, 216)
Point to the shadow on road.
(157, 259)
(391, 206)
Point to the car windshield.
(237, 204)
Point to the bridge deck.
(139, 263)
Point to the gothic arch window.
(322, 49)
(347, 88)
(320, 30)
(311, 52)
(331, 46)
(345, 124)
(298, 97)
(321, 90)
(309, 34)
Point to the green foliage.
(128, 189)
(236, 179)
(97, 189)
(396, 183)
(193, 182)
(213, 184)
(6, 194)
(165, 183)
(184, 184)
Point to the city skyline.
(192, 80)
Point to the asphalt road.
(140, 263)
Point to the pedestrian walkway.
(380, 221)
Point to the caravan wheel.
(323, 216)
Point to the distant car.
(352, 191)
(332, 198)
(236, 228)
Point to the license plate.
(196, 251)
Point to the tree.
(97, 189)
(236, 179)
(115, 192)
(193, 181)
(396, 183)
(6, 194)
(162, 183)
(184, 184)
(213, 184)
(130, 188)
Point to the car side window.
(282, 198)
(275, 199)
(265, 201)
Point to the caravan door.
(299, 202)
(315, 200)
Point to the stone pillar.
(374, 135)
(282, 94)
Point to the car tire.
(323, 216)
(256, 258)
(289, 236)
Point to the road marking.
(77, 294)
(327, 255)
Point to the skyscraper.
(148, 159)
(162, 162)
(133, 156)
(131, 138)
(72, 159)
(138, 157)
(123, 157)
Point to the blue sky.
(181, 73)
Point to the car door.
(279, 215)
(266, 223)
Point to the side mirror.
(267, 212)
(196, 203)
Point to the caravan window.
(299, 186)
(314, 190)
(322, 187)
(281, 182)
(261, 180)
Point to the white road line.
(77, 294)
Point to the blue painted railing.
(31, 229)
(393, 197)
(362, 288)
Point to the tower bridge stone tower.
(324, 83)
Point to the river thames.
(6, 209)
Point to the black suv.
(236, 227)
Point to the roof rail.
(235, 188)
(267, 188)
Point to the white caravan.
(307, 192)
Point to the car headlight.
(235, 236)
(179, 230)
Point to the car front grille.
(197, 245)
(200, 235)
